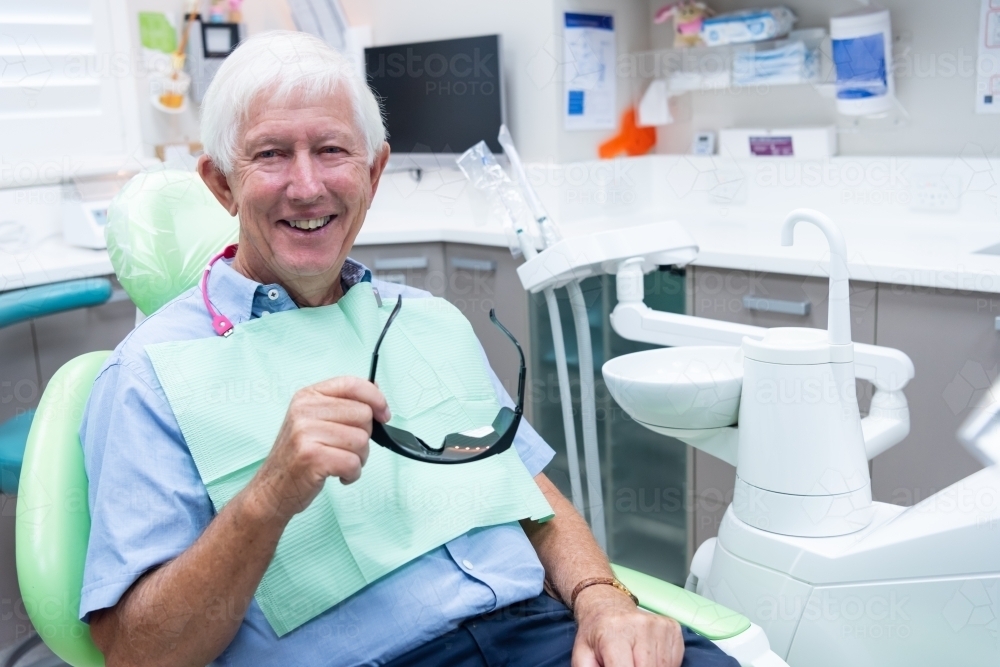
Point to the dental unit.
(832, 577)
(829, 576)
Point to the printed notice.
(988, 63)
(589, 56)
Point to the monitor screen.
(439, 97)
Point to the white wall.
(928, 33)
(631, 34)
(158, 127)
(939, 98)
(526, 28)
(531, 31)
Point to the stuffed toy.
(688, 16)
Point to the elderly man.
(295, 145)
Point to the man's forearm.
(565, 545)
(187, 611)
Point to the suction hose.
(588, 408)
(562, 374)
(592, 461)
(565, 400)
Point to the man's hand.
(612, 632)
(325, 434)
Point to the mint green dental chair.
(19, 306)
(162, 229)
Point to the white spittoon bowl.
(679, 387)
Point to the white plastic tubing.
(483, 171)
(565, 399)
(592, 461)
(591, 455)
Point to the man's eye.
(267, 154)
(333, 149)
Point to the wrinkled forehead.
(301, 103)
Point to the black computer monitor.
(439, 97)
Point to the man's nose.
(305, 182)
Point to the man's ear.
(378, 166)
(217, 183)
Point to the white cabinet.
(419, 265)
(474, 279)
(955, 348)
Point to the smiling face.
(301, 184)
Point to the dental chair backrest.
(162, 229)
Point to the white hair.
(279, 64)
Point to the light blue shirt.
(148, 505)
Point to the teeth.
(315, 223)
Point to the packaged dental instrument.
(793, 63)
(506, 202)
(751, 25)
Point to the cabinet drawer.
(955, 347)
(778, 300)
(481, 278)
(419, 265)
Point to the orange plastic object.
(630, 140)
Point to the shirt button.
(272, 294)
(467, 564)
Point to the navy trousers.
(534, 633)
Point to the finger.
(648, 650)
(348, 438)
(336, 410)
(616, 652)
(583, 655)
(675, 647)
(666, 634)
(342, 464)
(357, 389)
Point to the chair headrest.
(163, 227)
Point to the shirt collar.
(241, 299)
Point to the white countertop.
(911, 255)
(886, 244)
(51, 261)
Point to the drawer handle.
(467, 264)
(399, 263)
(776, 306)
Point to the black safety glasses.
(472, 445)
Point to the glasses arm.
(521, 375)
(385, 329)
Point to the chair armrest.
(25, 304)
(707, 618)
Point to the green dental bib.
(230, 395)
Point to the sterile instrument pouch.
(161, 228)
(230, 394)
(504, 197)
